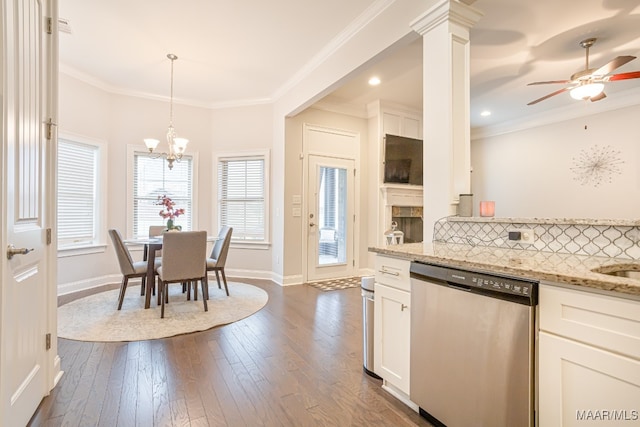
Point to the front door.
(330, 222)
(25, 261)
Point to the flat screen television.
(402, 160)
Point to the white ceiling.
(245, 51)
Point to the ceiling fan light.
(586, 91)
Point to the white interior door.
(330, 222)
(24, 367)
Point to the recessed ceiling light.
(374, 81)
(485, 113)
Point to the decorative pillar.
(446, 127)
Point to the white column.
(446, 129)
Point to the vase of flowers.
(169, 212)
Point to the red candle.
(487, 208)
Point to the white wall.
(120, 120)
(528, 173)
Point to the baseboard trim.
(95, 282)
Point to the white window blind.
(77, 194)
(241, 197)
(153, 178)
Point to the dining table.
(153, 244)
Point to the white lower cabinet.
(589, 371)
(392, 324)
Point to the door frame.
(353, 154)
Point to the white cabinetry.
(402, 123)
(589, 359)
(392, 324)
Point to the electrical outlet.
(526, 235)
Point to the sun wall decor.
(596, 165)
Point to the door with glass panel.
(331, 216)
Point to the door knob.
(12, 250)
(312, 224)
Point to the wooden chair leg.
(224, 278)
(195, 289)
(187, 286)
(123, 288)
(205, 291)
(218, 278)
(161, 290)
(142, 285)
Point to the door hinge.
(50, 125)
(354, 172)
(49, 25)
(48, 236)
(48, 341)
(353, 262)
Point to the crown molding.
(572, 111)
(334, 45)
(102, 85)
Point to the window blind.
(77, 194)
(153, 178)
(241, 197)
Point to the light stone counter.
(564, 269)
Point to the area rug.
(96, 318)
(336, 284)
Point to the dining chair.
(183, 261)
(218, 257)
(128, 267)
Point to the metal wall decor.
(596, 165)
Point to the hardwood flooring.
(297, 362)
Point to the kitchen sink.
(630, 271)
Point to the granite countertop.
(564, 269)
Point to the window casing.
(80, 194)
(243, 196)
(151, 177)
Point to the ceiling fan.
(589, 83)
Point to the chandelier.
(176, 145)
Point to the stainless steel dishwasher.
(472, 347)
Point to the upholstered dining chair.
(218, 257)
(128, 267)
(183, 260)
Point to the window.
(79, 193)
(243, 195)
(152, 178)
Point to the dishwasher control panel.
(480, 282)
(502, 285)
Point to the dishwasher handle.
(459, 286)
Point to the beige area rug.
(336, 284)
(96, 318)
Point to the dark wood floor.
(297, 362)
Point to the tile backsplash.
(607, 238)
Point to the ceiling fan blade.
(598, 97)
(615, 63)
(624, 76)
(549, 82)
(564, 89)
